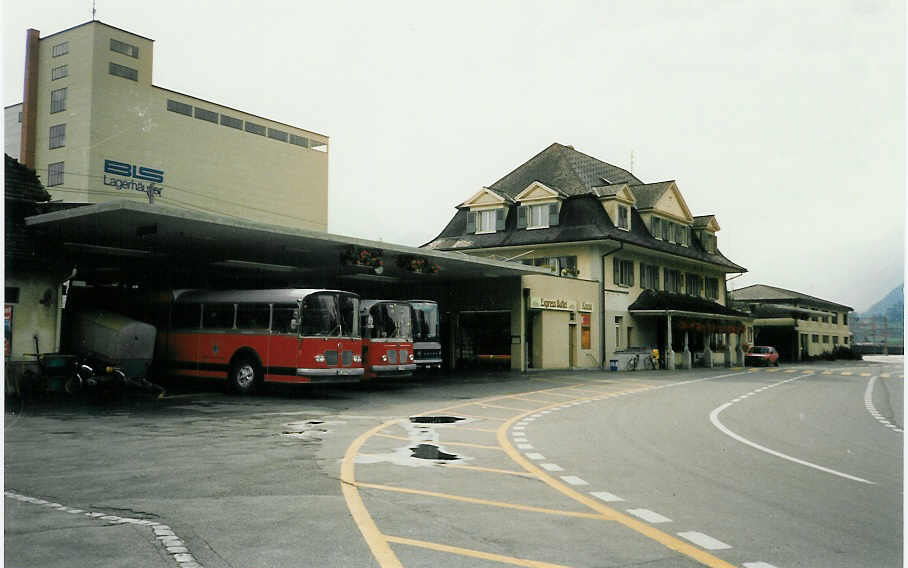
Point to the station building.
(94, 127)
(798, 325)
(655, 270)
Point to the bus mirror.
(293, 324)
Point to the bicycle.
(650, 363)
(632, 363)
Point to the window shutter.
(554, 213)
(522, 217)
(499, 219)
(471, 222)
(616, 266)
(631, 266)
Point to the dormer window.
(624, 218)
(709, 242)
(485, 222)
(538, 217)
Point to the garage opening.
(484, 340)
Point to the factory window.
(299, 140)
(60, 49)
(277, 134)
(124, 48)
(58, 100)
(231, 122)
(825, 339)
(123, 71)
(57, 136)
(814, 338)
(177, 106)
(59, 72)
(255, 128)
(205, 114)
(55, 174)
(318, 146)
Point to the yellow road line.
(486, 430)
(487, 502)
(885, 375)
(553, 393)
(465, 444)
(472, 553)
(826, 373)
(553, 381)
(532, 400)
(847, 373)
(380, 548)
(502, 407)
(791, 370)
(772, 370)
(865, 374)
(489, 469)
(600, 391)
(481, 417)
(632, 523)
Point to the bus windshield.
(390, 319)
(425, 321)
(330, 314)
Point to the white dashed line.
(714, 418)
(649, 516)
(573, 480)
(757, 565)
(163, 533)
(535, 456)
(606, 496)
(868, 404)
(551, 467)
(704, 541)
(525, 447)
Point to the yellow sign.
(552, 304)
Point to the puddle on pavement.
(312, 430)
(430, 452)
(434, 419)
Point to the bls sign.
(131, 170)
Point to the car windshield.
(425, 321)
(760, 350)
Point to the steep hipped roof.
(764, 293)
(565, 169)
(582, 218)
(21, 183)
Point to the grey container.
(120, 340)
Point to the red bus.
(253, 336)
(387, 339)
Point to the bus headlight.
(319, 358)
(411, 356)
(357, 358)
(384, 358)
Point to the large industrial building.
(94, 127)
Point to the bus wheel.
(243, 376)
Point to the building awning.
(661, 303)
(151, 235)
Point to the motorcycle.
(94, 376)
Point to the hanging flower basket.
(356, 256)
(417, 264)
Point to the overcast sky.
(786, 120)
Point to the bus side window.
(252, 316)
(286, 317)
(187, 316)
(217, 316)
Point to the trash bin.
(613, 364)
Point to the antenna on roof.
(632, 161)
(93, 11)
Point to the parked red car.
(761, 355)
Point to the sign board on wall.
(552, 304)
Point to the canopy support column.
(669, 354)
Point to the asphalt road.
(795, 466)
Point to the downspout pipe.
(602, 305)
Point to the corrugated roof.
(661, 300)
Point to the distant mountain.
(892, 305)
